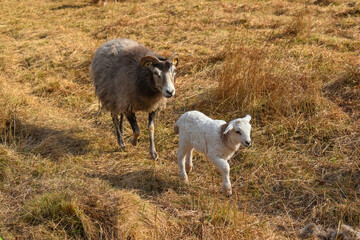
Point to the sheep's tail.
(176, 128)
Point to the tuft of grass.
(262, 80)
(56, 210)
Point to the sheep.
(128, 78)
(217, 139)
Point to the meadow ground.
(293, 65)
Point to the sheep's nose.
(170, 92)
(248, 143)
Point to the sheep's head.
(238, 131)
(163, 72)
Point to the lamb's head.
(163, 71)
(238, 131)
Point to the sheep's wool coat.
(121, 84)
(198, 131)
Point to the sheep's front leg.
(132, 120)
(225, 172)
(181, 161)
(118, 130)
(151, 134)
(188, 161)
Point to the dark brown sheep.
(129, 77)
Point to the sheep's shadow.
(147, 182)
(71, 6)
(47, 142)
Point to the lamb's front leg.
(225, 172)
(153, 152)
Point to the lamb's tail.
(176, 128)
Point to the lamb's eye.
(238, 132)
(156, 74)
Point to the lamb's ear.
(247, 118)
(229, 127)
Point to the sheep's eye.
(238, 132)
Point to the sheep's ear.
(174, 58)
(229, 127)
(149, 61)
(247, 118)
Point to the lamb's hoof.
(188, 168)
(227, 192)
(154, 155)
(185, 179)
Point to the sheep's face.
(164, 74)
(239, 131)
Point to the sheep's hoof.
(154, 155)
(122, 145)
(188, 168)
(133, 141)
(135, 138)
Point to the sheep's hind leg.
(118, 131)
(188, 161)
(132, 120)
(181, 161)
(121, 123)
(153, 152)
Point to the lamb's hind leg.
(132, 120)
(118, 130)
(181, 161)
(188, 161)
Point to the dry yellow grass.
(293, 65)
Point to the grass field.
(292, 64)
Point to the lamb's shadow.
(47, 142)
(146, 182)
(66, 6)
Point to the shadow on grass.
(47, 142)
(71, 6)
(144, 181)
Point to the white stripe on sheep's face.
(238, 131)
(163, 72)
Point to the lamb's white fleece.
(215, 138)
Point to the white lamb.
(217, 139)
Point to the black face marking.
(163, 66)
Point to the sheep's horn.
(174, 56)
(151, 59)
